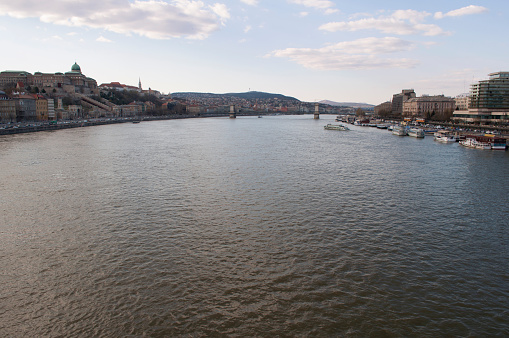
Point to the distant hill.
(248, 95)
(347, 104)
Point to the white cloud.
(250, 2)
(303, 14)
(102, 39)
(155, 19)
(357, 54)
(247, 29)
(222, 11)
(318, 4)
(331, 11)
(468, 10)
(401, 22)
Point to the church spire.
(139, 83)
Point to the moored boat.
(445, 136)
(472, 142)
(416, 132)
(335, 127)
(399, 130)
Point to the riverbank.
(48, 126)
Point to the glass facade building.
(489, 101)
(492, 93)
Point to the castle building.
(71, 82)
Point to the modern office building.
(489, 101)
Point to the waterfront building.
(426, 106)
(489, 101)
(127, 110)
(461, 102)
(75, 111)
(7, 108)
(383, 108)
(398, 99)
(41, 108)
(25, 107)
(51, 110)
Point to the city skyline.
(309, 49)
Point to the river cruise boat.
(416, 132)
(399, 130)
(335, 127)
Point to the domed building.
(71, 82)
(76, 68)
(81, 83)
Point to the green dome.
(75, 68)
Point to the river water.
(250, 227)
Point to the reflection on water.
(250, 227)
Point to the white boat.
(445, 137)
(471, 142)
(335, 127)
(399, 130)
(416, 132)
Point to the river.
(250, 227)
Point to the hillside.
(248, 96)
(347, 104)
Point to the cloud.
(331, 11)
(357, 54)
(155, 19)
(401, 22)
(250, 2)
(469, 10)
(102, 39)
(318, 4)
(247, 29)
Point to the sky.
(344, 51)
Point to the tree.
(359, 112)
